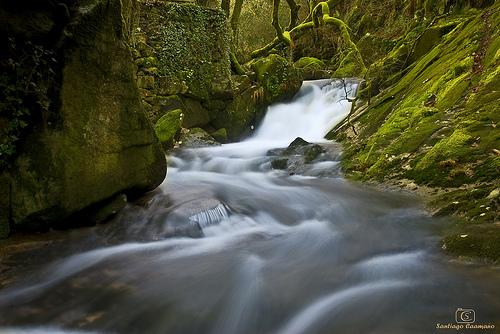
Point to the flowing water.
(226, 245)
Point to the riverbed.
(229, 245)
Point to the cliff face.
(75, 135)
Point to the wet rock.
(296, 157)
(194, 114)
(111, 208)
(307, 150)
(280, 163)
(196, 137)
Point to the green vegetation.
(430, 117)
(168, 126)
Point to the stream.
(228, 245)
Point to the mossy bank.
(429, 118)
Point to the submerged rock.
(296, 156)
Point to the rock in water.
(98, 142)
(196, 137)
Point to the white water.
(271, 253)
(318, 107)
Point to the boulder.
(311, 68)
(196, 137)
(220, 135)
(96, 142)
(277, 77)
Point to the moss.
(241, 114)
(195, 115)
(101, 143)
(191, 45)
(474, 241)
(310, 63)
(220, 135)
(448, 148)
(311, 68)
(168, 126)
(278, 78)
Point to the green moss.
(474, 241)
(447, 148)
(191, 45)
(310, 63)
(220, 135)
(168, 127)
(278, 78)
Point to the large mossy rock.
(311, 68)
(278, 78)
(97, 142)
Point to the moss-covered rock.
(220, 135)
(311, 68)
(97, 142)
(474, 241)
(243, 112)
(278, 78)
(195, 115)
(196, 137)
(168, 126)
(310, 63)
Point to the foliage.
(25, 84)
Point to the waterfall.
(317, 108)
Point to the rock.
(194, 114)
(109, 209)
(170, 85)
(196, 137)
(279, 79)
(145, 81)
(241, 83)
(297, 142)
(220, 135)
(296, 157)
(168, 126)
(281, 163)
(243, 112)
(169, 103)
(97, 141)
(311, 68)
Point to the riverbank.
(428, 122)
